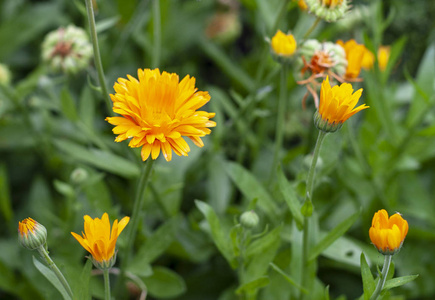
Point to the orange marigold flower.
(283, 44)
(388, 233)
(354, 55)
(337, 104)
(99, 240)
(157, 111)
(31, 234)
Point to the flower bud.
(79, 175)
(328, 10)
(31, 234)
(5, 75)
(67, 50)
(283, 46)
(249, 219)
(388, 233)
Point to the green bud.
(31, 234)
(249, 219)
(79, 175)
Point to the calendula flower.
(329, 10)
(99, 240)
(31, 234)
(283, 45)
(388, 233)
(383, 57)
(157, 111)
(337, 104)
(354, 54)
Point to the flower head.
(157, 111)
(67, 49)
(283, 45)
(337, 104)
(329, 10)
(388, 233)
(31, 234)
(99, 240)
(354, 55)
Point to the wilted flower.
(329, 10)
(31, 234)
(224, 27)
(283, 45)
(354, 54)
(67, 50)
(388, 233)
(100, 241)
(157, 111)
(337, 104)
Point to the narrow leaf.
(288, 278)
(290, 198)
(253, 285)
(51, 276)
(68, 105)
(333, 235)
(82, 290)
(219, 236)
(399, 281)
(5, 198)
(251, 188)
(367, 278)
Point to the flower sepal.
(324, 125)
(104, 265)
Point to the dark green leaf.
(288, 278)
(291, 198)
(367, 278)
(165, 283)
(68, 105)
(5, 199)
(253, 285)
(399, 281)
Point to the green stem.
(157, 48)
(310, 30)
(307, 208)
(281, 108)
(44, 253)
(137, 207)
(383, 278)
(106, 284)
(97, 56)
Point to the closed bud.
(79, 175)
(31, 234)
(249, 219)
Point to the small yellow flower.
(354, 54)
(99, 240)
(302, 5)
(337, 104)
(157, 111)
(388, 234)
(283, 45)
(31, 234)
(383, 56)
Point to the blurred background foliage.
(58, 160)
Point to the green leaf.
(251, 188)
(68, 105)
(98, 158)
(288, 278)
(367, 278)
(253, 285)
(399, 281)
(165, 283)
(333, 235)
(291, 198)
(82, 290)
(51, 276)
(154, 246)
(219, 236)
(64, 188)
(5, 198)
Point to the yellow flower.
(157, 111)
(332, 3)
(388, 234)
(283, 45)
(99, 240)
(31, 234)
(302, 5)
(368, 60)
(337, 104)
(383, 56)
(354, 55)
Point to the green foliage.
(52, 124)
